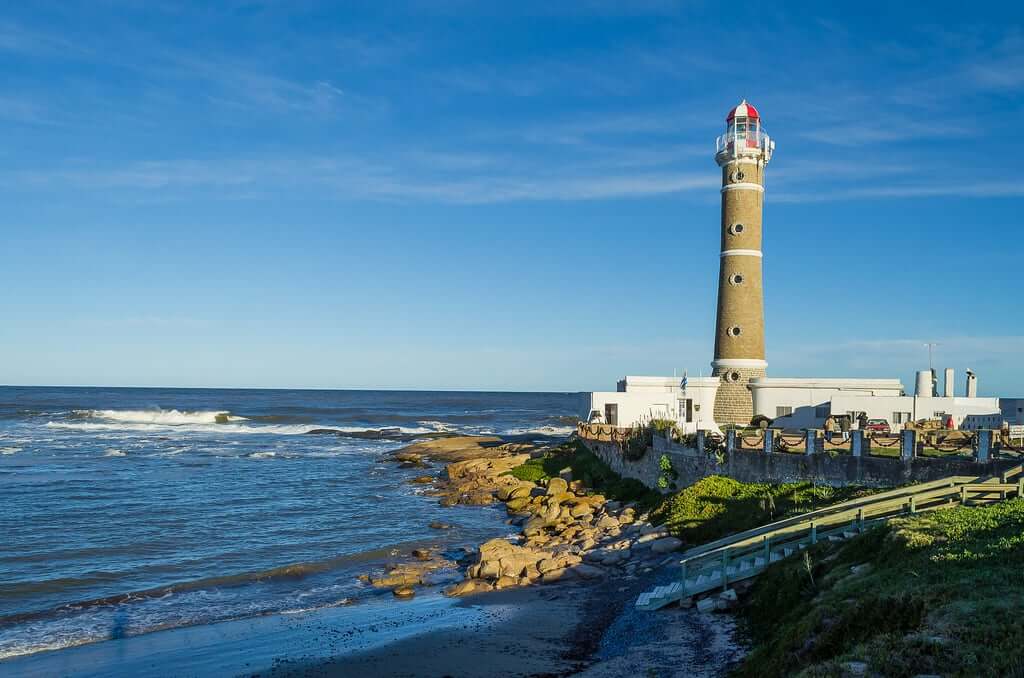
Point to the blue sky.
(522, 195)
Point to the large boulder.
(557, 486)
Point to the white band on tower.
(741, 253)
(740, 363)
(743, 185)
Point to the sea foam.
(159, 416)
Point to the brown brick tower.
(742, 153)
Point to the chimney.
(972, 385)
(950, 382)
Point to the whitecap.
(10, 450)
(159, 416)
(262, 455)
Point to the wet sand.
(522, 630)
(586, 629)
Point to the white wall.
(966, 412)
(640, 399)
(810, 398)
(634, 408)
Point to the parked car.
(878, 426)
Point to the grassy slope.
(717, 506)
(943, 594)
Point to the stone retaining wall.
(754, 466)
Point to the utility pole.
(931, 355)
(931, 365)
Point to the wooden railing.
(747, 554)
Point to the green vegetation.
(717, 506)
(667, 477)
(936, 593)
(591, 471)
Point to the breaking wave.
(159, 416)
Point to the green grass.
(717, 506)
(591, 471)
(943, 594)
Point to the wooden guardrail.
(747, 554)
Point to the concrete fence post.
(811, 441)
(984, 446)
(857, 446)
(908, 444)
(699, 441)
(730, 441)
(769, 441)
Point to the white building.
(806, 403)
(638, 400)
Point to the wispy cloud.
(971, 188)
(415, 176)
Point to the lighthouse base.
(734, 402)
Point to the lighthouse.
(742, 153)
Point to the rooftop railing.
(736, 142)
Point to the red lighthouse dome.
(744, 110)
(744, 136)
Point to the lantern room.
(744, 135)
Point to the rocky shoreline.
(566, 533)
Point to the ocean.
(131, 510)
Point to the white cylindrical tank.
(950, 382)
(924, 384)
(972, 385)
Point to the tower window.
(736, 279)
(733, 376)
(734, 331)
(736, 229)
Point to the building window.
(735, 331)
(736, 229)
(736, 279)
(900, 417)
(822, 411)
(733, 376)
(783, 411)
(611, 414)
